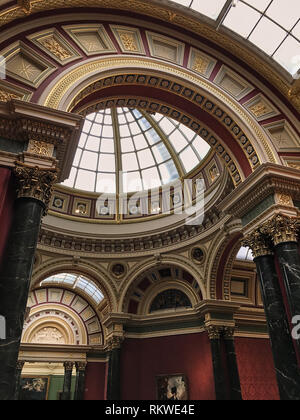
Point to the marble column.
(66, 396)
(114, 370)
(284, 233)
(20, 366)
(34, 191)
(232, 365)
(80, 381)
(285, 359)
(214, 334)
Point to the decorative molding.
(115, 342)
(26, 65)
(40, 148)
(214, 332)
(281, 229)
(54, 44)
(258, 243)
(92, 39)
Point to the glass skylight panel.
(106, 183)
(211, 8)
(280, 12)
(107, 146)
(85, 180)
(242, 19)
(296, 30)
(285, 55)
(260, 5)
(267, 36)
(189, 159)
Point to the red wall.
(7, 197)
(143, 360)
(256, 367)
(95, 384)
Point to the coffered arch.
(187, 274)
(80, 267)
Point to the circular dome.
(126, 150)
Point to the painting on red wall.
(172, 387)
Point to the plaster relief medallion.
(198, 255)
(118, 270)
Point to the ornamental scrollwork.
(282, 229)
(259, 244)
(33, 182)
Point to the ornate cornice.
(266, 181)
(127, 246)
(50, 135)
(281, 229)
(33, 182)
(258, 243)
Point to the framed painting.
(172, 388)
(34, 388)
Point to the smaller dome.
(127, 150)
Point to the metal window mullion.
(118, 154)
(167, 143)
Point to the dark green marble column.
(232, 365)
(289, 260)
(284, 354)
(34, 190)
(284, 232)
(66, 396)
(114, 370)
(214, 334)
(80, 381)
(20, 366)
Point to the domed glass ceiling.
(147, 150)
(272, 25)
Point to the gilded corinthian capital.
(282, 229)
(33, 182)
(214, 332)
(258, 243)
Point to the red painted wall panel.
(7, 197)
(95, 384)
(256, 367)
(143, 360)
